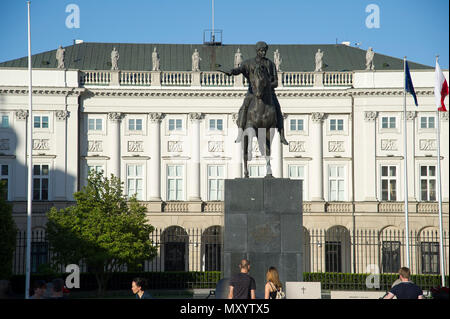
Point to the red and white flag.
(440, 88)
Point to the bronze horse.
(261, 118)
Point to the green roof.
(177, 57)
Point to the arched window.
(391, 240)
(212, 248)
(429, 250)
(337, 250)
(175, 249)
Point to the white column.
(20, 174)
(155, 156)
(236, 165)
(194, 164)
(61, 160)
(444, 154)
(73, 150)
(317, 153)
(277, 155)
(115, 119)
(370, 167)
(410, 118)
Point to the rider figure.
(246, 69)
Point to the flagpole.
(29, 163)
(405, 166)
(439, 193)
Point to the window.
(298, 172)
(175, 182)
(296, 125)
(134, 181)
(388, 122)
(427, 183)
(336, 125)
(175, 248)
(427, 122)
(175, 124)
(333, 256)
(336, 183)
(96, 168)
(40, 182)
(95, 124)
(39, 255)
(135, 124)
(4, 121)
(257, 170)
(212, 248)
(391, 256)
(430, 257)
(216, 125)
(215, 182)
(40, 121)
(389, 183)
(4, 179)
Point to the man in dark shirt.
(405, 289)
(242, 285)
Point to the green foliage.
(8, 232)
(104, 229)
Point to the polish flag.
(440, 88)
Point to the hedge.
(122, 280)
(347, 281)
(209, 279)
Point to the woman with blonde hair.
(273, 285)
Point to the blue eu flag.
(409, 87)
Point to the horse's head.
(260, 81)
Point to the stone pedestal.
(263, 223)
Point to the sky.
(417, 29)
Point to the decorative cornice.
(42, 90)
(219, 92)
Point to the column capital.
(22, 114)
(317, 117)
(115, 116)
(443, 116)
(156, 117)
(370, 116)
(195, 116)
(411, 115)
(62, 115)
(234, 117)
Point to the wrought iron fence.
(336, 250)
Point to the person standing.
(242, 285)
(139, 286)
(273, 285)
(406, 289)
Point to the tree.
(104, 229)
(8, 232)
